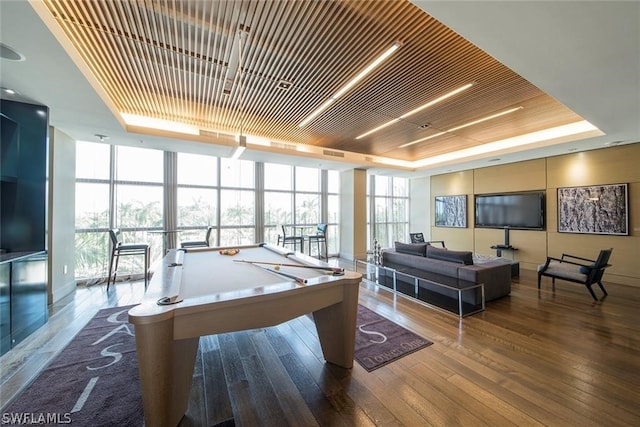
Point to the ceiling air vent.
(284, 146)
(333, 153)
(216, 135)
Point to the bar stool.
(199, 243)
(320, 238)
(119, 249)
(290, 240)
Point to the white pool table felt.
(209, 272)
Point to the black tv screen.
(514, 210)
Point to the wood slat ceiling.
(216, 65)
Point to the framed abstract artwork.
(451, 211)
(595, 209)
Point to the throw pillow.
(417, 249)
(460, 257)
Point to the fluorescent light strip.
(350, 84)
(389, 123)
(317, 112)
(453, 129)
(417, 110)
(493, 116)
(422, 139)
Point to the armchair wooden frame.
(431, 242)
(574, 269)
(419, 238)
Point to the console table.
(515, 265)
(500, 248)
(422, 294)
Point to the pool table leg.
(166, 370)
(336, 326)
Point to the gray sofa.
(442, 266)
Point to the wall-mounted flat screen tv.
(513, 210)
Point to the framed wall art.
(596, 209)
(451, 211)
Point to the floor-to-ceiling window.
(114, 189)
(237, 202)
(299, 198)
(332, 194)
(307, 196)
(217, 192)
(278, 200)
(244, 201)
(93, 186)
(388, 210)
(197, 196)
(138, 198)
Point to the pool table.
(202, 291)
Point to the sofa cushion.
(459, 257)
(564, 270)
(418, 249)
(399, 261)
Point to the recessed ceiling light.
(7, 52)
(284, 85)
(8, 91)
(101, 137)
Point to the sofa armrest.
(496, 277)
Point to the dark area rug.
(380, 341)
(89, 383)
(94, 381)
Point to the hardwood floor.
(533, 358)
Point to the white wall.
(61, 215)
(419, 209)
(353, 214)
